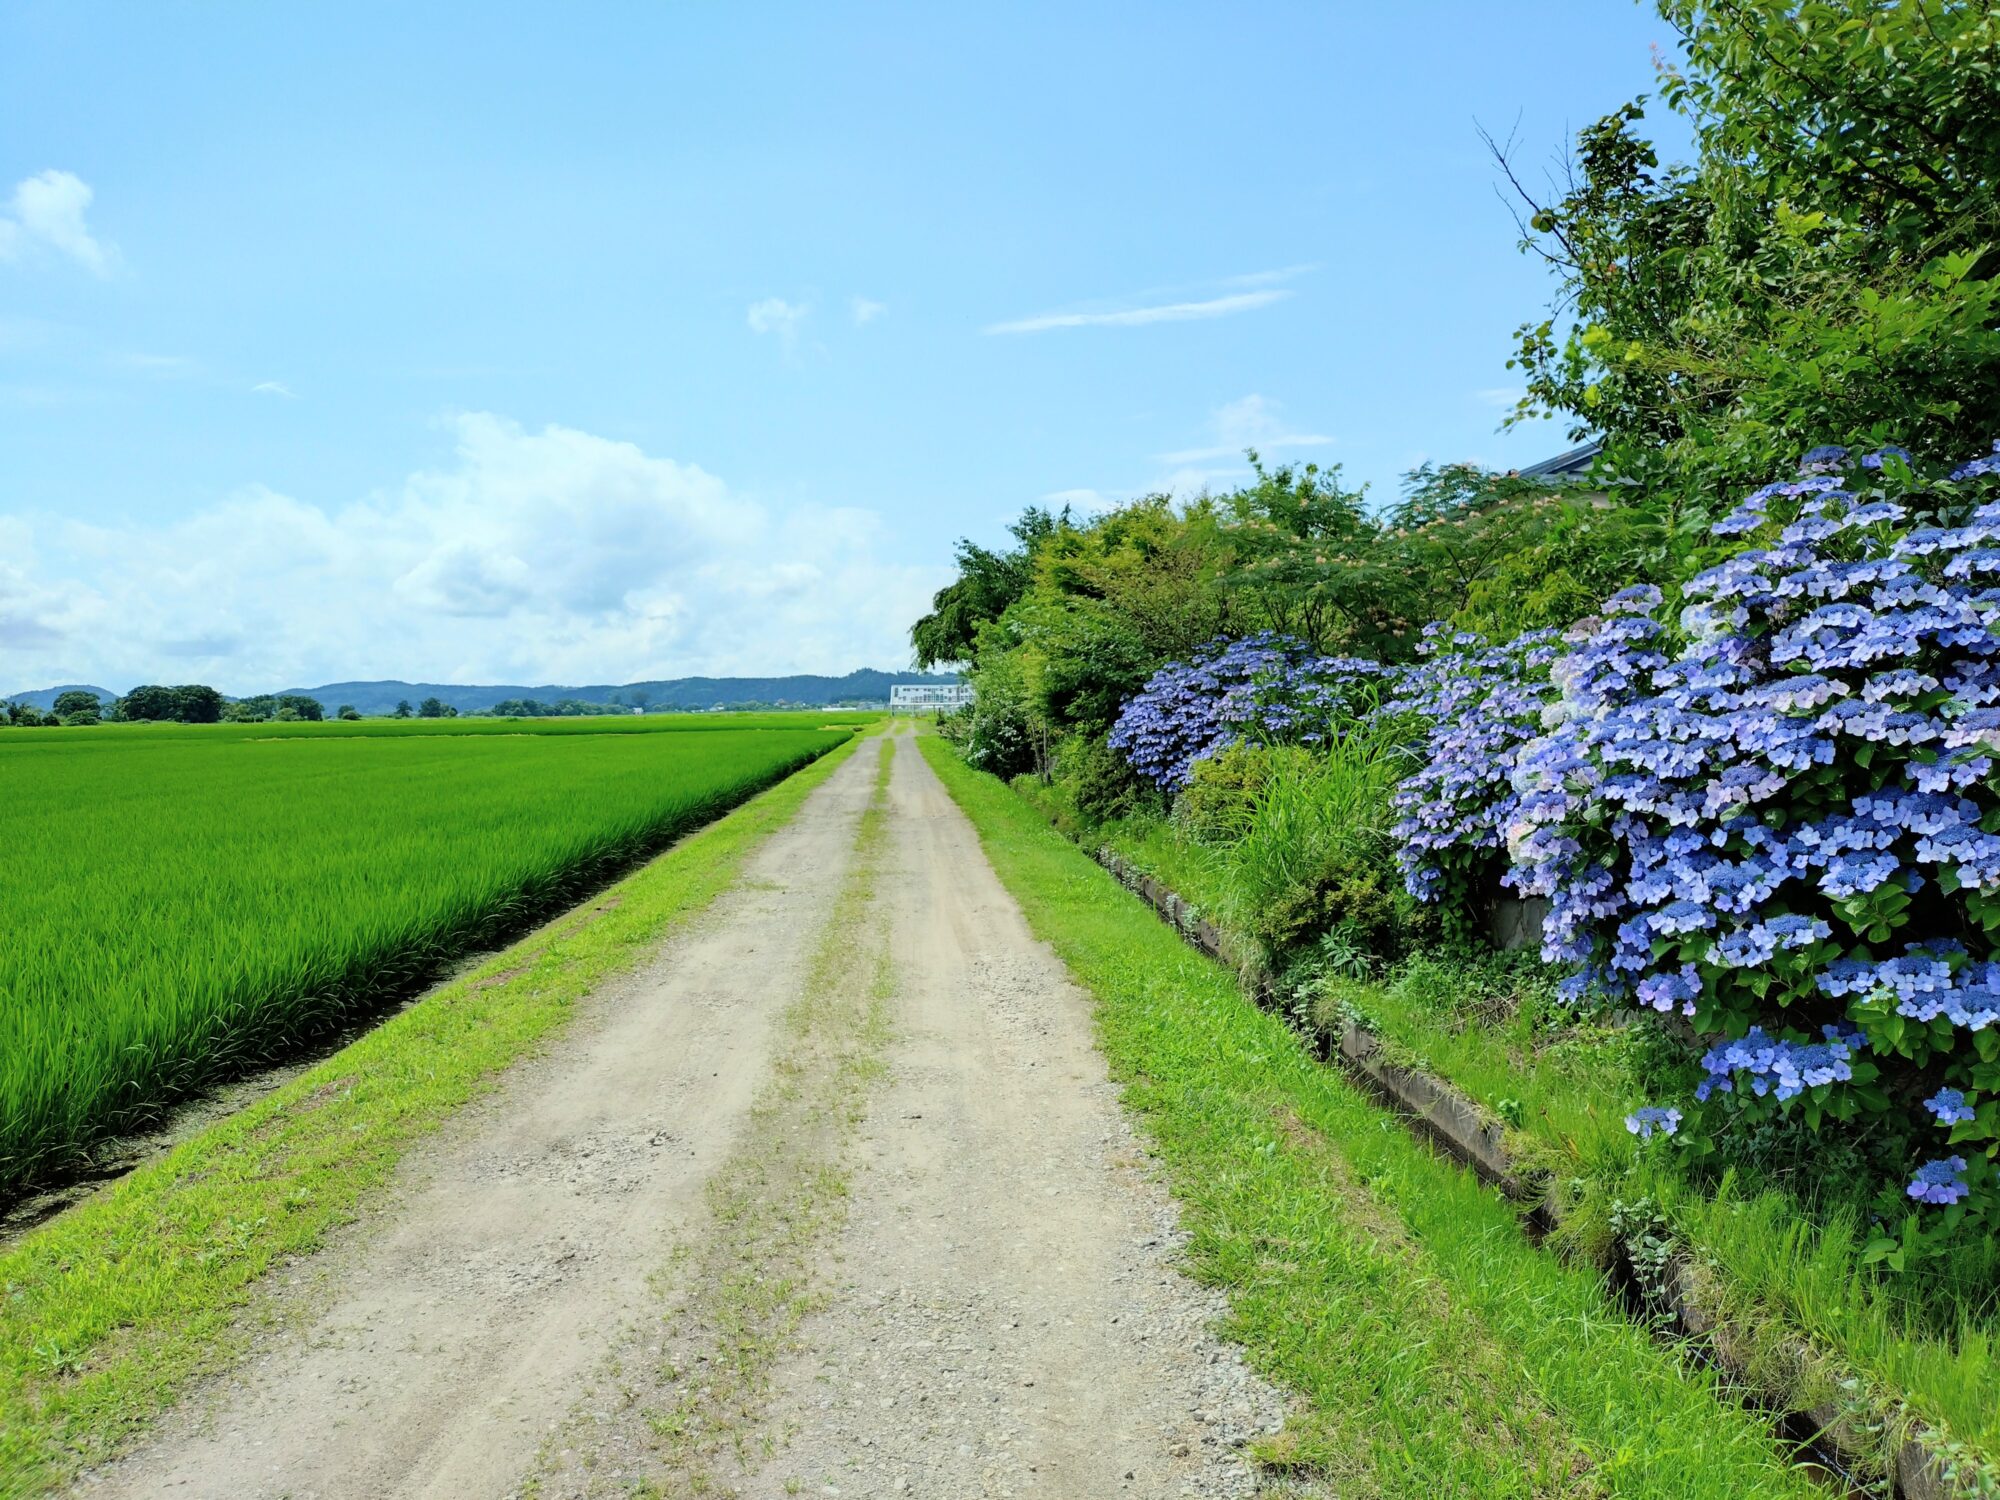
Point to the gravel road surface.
(994, 1306)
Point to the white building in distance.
(928, 697)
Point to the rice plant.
(183, 906)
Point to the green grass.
(1317, 814)
(1564, 1084)
(182, 906)
(110, 1310)
(1499, 1034)
(1198, 874)
(375, 728)
(1439, 1352)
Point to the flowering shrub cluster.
(1478, 704)
(1775, 815)
(1780, 820)
(1263, 689)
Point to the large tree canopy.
(987, 583)
(1822, 272)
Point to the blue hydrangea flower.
(1949, 1106)
(1644, 1121)
(1941, 1181)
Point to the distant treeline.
(565, 708)
(197, 703)
(189, 703)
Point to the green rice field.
(184, 903)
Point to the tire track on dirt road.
(1008, 1316)
(998, 1311)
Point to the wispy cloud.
(48, 210)
(274, 388)
(1499, 395)
(865, 310)
(1272, 278)
(1249, 422)
(175, 366)
(776, 315)
(1132, 317)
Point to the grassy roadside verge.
(1882, 1353)
(109, 1310)
(1438, 1352)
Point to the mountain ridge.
(807, 689)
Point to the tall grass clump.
(1315, 853)
(184, 907)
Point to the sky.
(601, 342)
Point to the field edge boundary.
(117, 1305)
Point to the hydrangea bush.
(1477, 705)
(1263, 689)
(1778, 817)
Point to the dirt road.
(832, 1196)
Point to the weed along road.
(830, 1194)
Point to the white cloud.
(274, 388)
(776, 315)
(1130, 317)
(1191, 479)
(530, 556)
(163, 365)
(48, 209)
(865, 310)
(1504, 396)
(1272, 278)
(1084, 500)
(1249, 422)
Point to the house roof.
(1568, 465)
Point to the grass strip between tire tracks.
(110, 1310)
(1438, 1352)
(738, 1288)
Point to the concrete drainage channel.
(1677, 1302)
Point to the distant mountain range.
(805, 691)
(45, 698)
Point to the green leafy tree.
(431, 708)
(1304, 556)
(76, 701)
(196, 703)
(349, 711)
(149, 702)
(301, 707)
(402, 708)
(1823, 271)
(987, 583)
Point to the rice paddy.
(185, 903)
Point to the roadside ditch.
(1866, 1444)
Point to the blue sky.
(599, 342)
